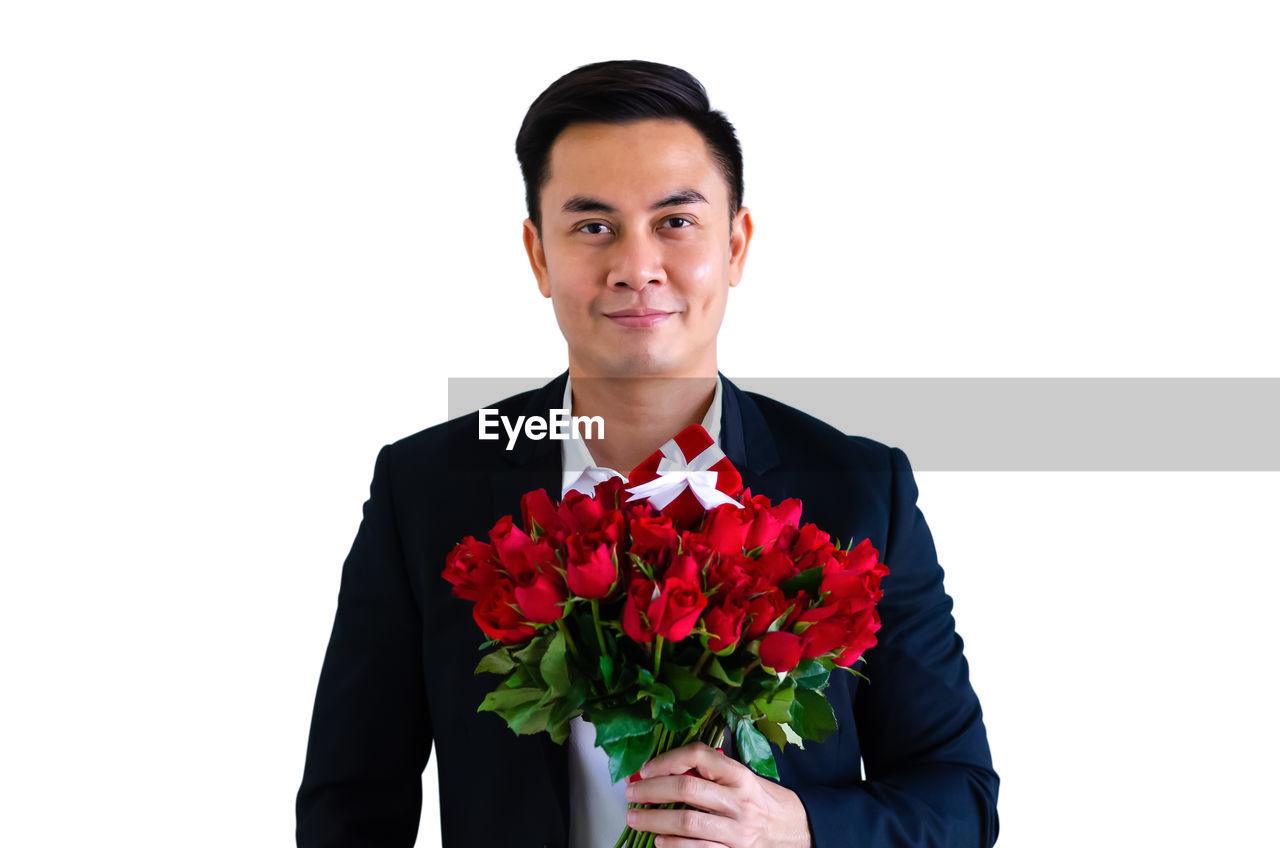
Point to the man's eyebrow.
(680, 198)
(584, 203)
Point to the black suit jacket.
(398, 673)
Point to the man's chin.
(640, 363)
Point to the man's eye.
(594, 228)
(679, 223)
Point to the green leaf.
(606, 671)
(809, 580)
(681, 680)
(772, 731)
(504, 699)
(498, 662)
(811, 715)
(621, 723)
(793, 737)
(777, 708)
(660, 694)
(718, 672)
(627, 755)
(530, 719)
(558, 730)
(554, 666)
(754, 750)
(531, 654)
(810, 675)
(523, 676)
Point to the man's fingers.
(710, 763)
(689, 824)
(686, 788)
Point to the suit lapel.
(745, 437)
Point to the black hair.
(619, 92)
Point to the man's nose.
(637, 262)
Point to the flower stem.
(657, 657)
(595, 616)
(568, 640)
(697, 728)
(702, 660)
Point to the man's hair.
(619, 92)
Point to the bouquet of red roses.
(666, 609)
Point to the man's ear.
(537, 256)
(739, 241)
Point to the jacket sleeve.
(370, 729)
(929, 779)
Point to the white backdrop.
(244, 244)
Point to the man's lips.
(638, 317)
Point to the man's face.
(636, 250)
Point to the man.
(636, 232)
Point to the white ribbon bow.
(675, 475)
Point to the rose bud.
(865, 625)
(726, 529)
(724, 623)
(675, 611)
(590, 569)
(494, 614)
(780, 651)
(469, 568)
(540, 596)
(635, 613)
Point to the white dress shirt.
(597, 805)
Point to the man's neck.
(640, 413)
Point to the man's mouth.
(638, 317)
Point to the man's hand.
(735, 807)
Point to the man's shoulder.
(804, 441)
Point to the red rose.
(729, 575)
(652, 535)
(769, 523)
(635, 612)
(763, 532)
(581, 513)
(724, 623)
(824, 630)
(863, 558)
(852, 578)
(811, 547)
(610, 492)
(537, 509)
(852, 592)
(468, 567)
(541, 596)
(496, 617)
(676, 609)
(725, 530)
(512, 545)
(763, 609)
(770, 570)
(591, 571)
(780, 651)
(865, 626)
(788, 512)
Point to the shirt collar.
(580, 470)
